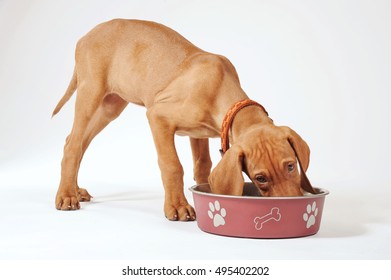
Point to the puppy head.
(271, 156)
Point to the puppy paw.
(180, 213)
(84, 195)
(66, 201)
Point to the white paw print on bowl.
(217, 214)
(310, 215)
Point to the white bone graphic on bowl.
(273, 215)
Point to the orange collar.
(229, 117)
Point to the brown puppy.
(186, 91)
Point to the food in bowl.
(254, 216)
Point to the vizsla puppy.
(186, 91)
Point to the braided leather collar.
(228, 119)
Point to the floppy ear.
(302, 152)
(301, 149)
(227, 178)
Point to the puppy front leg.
(176, 206)
(201, 159)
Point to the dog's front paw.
(184, 212)
(84, 195)
(66, 201)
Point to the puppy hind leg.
(87, 103)
(110, 108)
(201, 159)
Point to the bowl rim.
(322, 193)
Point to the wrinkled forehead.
(269, 152)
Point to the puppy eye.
(261, 179)
(291, 167)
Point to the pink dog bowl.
(254, 216)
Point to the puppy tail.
(68, 94)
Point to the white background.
(320, 67)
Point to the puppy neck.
(247, 119)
